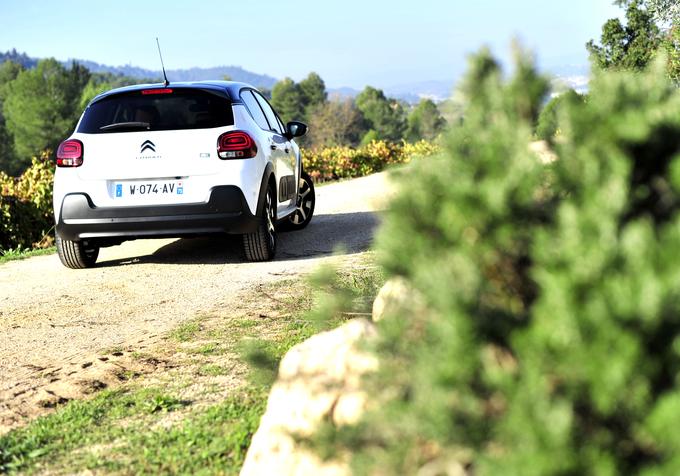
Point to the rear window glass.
(134, 111)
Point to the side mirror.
(295, 129)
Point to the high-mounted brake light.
(236, 145)
(157, 91)
(70, 153)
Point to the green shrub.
(550, 339)
(548, 120)
(26, 215)
(332, 163)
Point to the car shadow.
(351, 232)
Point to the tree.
(9, 70)
(385, 117)
(102, 82)
(288, 100)
(296, 101)
(480, 67)
(671, 47)
(335, 123)
(630, 46)
(313, 91)
(665, 12)
(42, 106)
(425, 121)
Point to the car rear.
(157, 161)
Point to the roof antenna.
(165, 76)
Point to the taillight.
(236, 145)
(156, 91)
(70, 153)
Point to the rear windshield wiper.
(126, 125)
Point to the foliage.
(339, 162)
(9, 70)
(287, 99)
(42, 105)
(19, 253)
(425, 122)
(547, 126)
(335, 123)
(102, 82)
(26, 215)
(313, 91)
(384, 116)
(547, 336)
(665, 12)
(481, 67)
(297, 101)
(526, 85)
(630, 46)
(670, 47)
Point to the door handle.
(273, 146)
(287, 150)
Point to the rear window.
(135, 111)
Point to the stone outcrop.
(319, 381)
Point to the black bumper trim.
(226, 211)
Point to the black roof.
(232, 88)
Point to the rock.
(319, 381)
(396, 294)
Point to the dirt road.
(55, 322)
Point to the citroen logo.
(148, 145)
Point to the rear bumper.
(226, 211)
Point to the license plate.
(144, 189)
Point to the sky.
(348, 43)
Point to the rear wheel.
(261, 244)
(305, 204)
(77, 254)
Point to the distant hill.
(236, 73)
(411, 93)
(574, 76)
(17, 57)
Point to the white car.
(184, 159)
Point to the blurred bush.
(548, 126)
(26, 216)
(550, 343)
(339, 162)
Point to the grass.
(186, 419)
(186, 331)
(20, 253)
(214, 370)
(100, 434)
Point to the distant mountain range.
(410, 92)
(575, 77)
(236, 73)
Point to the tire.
(77, 254)
(305, 204)
(261, 244)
